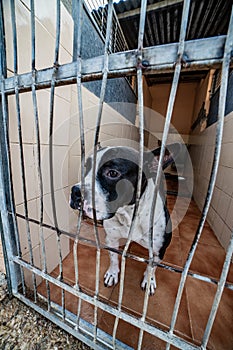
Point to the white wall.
(115, 130)
(45, 42)
(220, 215)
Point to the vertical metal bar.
(12, 239)
(213, 175)
(2, 43)
(171, 102)
(38, 150)
(5, 232)
(218, 294)
(2, 236)
(78, 19)
(52, 94)
(33, 40)
(140, 88)
(221, 113)
(140, 162)
(139, 82)
(22, 161)
(164, 140)
(97, 131)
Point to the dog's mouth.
(85, 217)
(74, 205)
(87, 212)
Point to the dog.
(115, 195)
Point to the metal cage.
(180, 56)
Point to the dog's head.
(116, 179)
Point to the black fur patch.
(120, 191)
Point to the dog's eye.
(113, 174)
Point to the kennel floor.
(197, 297)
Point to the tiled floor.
(197, 298)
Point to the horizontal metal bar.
(145, 326)
(57, 320)
(130, 255)
(203, 52)
(86, 327)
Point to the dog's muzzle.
(75, 198)
(84, 204)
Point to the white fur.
(118, 227)
(100, 197)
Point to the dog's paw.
(152, 284)
(111, 277)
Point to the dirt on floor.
(22, 328)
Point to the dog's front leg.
(111, 275)
(152, 281)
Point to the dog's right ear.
(151, 158)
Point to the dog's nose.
(75, 199)
(76, 192)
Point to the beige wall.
(146, 94)
(155, 102)
(202, 151)
(45, 43)
(220, 215)
(184, 104)
(115, 130)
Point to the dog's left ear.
(151, 158)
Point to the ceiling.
(207, 18)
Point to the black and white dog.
(115, 195)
